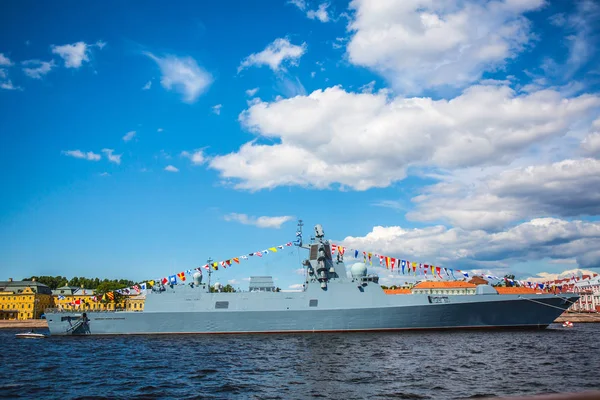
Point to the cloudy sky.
(139, 139)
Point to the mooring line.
(550, 305)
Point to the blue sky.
(139, 139)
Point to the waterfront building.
(588, 289)
(75, 298)
(444, 287)
(261, 284)
(516, 290)
(20, 300)
(135, 303)
(397, 291)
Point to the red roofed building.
(516, 290)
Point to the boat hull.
(461, 312)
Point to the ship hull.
(412, 312)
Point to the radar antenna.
(299, 233)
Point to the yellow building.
(23, 299)
(135, 303)
(74, 298)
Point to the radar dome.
(197, 278)
(358, 270)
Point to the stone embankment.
(25, 324)
(578, 317)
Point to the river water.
(406, 365)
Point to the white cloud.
(115, 158)
(275, 54)
(183, 75)
(159, 130)
(74, 54)
(563, 261)
(581, 36)
(301, 4)
(320, 13)
(196, 157)
(560, 189)
(90, 156)
(418, 44)
(165, 155)
(104, 174)
(217, 109)
(8, 85)
(233, 282)
(558, 19)
(251, 92)
(37, 69)
(128, 136)
(591, 143)
(171, 168)
(147, 86)
(100, 44)
(568, 274)
(537, 239)
(367, 88)
(261, 222)
(364, 140)
(5, 61)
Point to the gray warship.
(331, 301)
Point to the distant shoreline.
(578, 317)
(30, 324)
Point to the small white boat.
(30, 335)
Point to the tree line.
(97, 284)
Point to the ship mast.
(209, 262)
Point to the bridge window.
(313, 303)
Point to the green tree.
(103, 286)
(228, 289)
(52, 282)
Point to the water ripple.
(412, 365)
